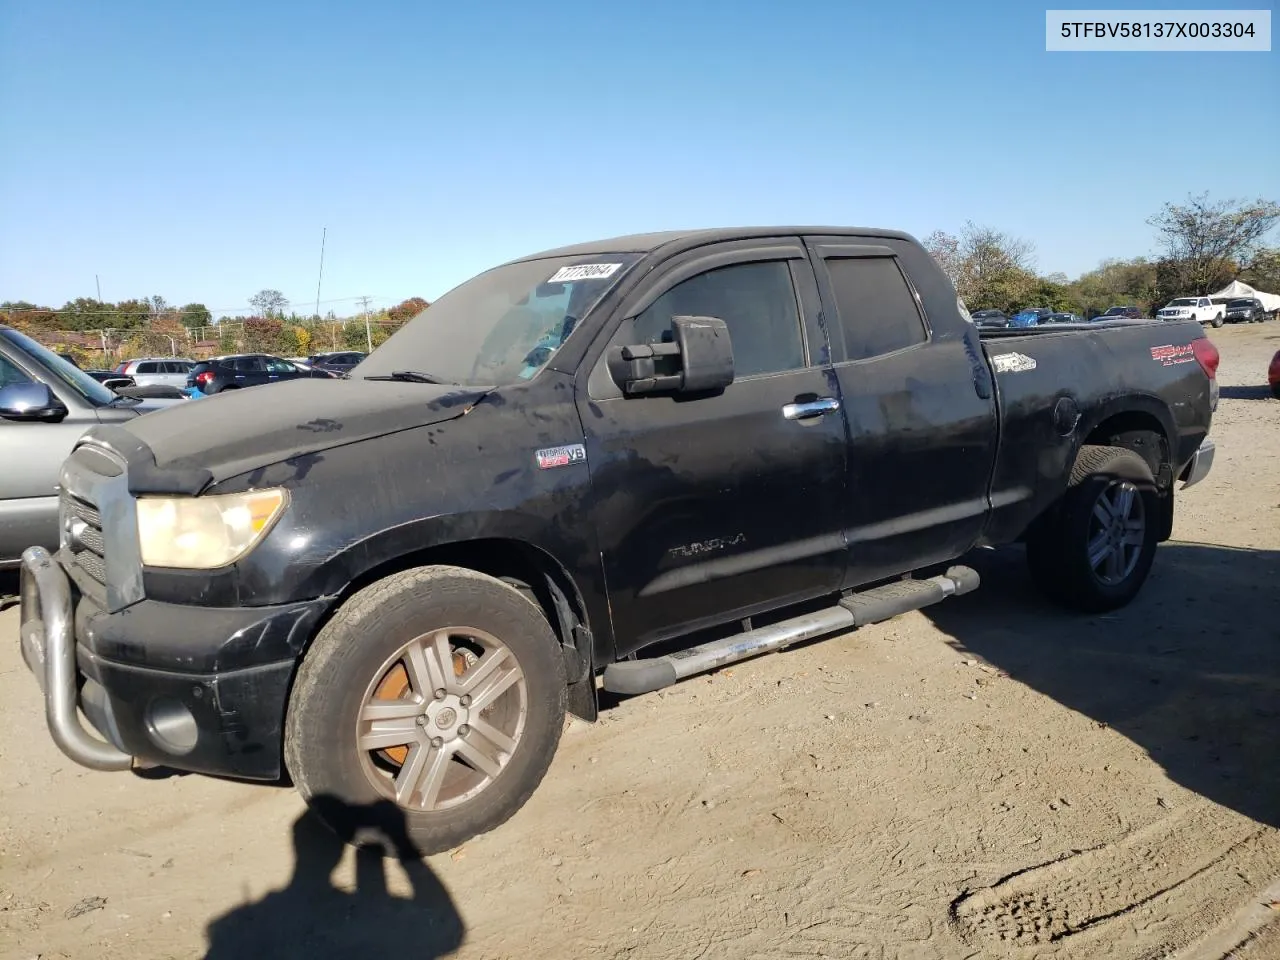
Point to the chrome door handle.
(810, 408)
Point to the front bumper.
(139, 702)
(1200, 465)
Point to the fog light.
(171, 725)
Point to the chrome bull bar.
(47, 637)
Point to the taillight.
(1208, 356)
(204, 377)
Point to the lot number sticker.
(584, 271)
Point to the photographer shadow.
(311, 918)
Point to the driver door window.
(757, 302)
(10, 374)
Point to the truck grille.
(82, 536)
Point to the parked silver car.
(157, 371)
(45, 406)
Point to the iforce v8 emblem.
(561, 456)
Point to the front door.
(713, 508)
(32, 452)
(922, 434)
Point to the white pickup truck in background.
(1193, 308)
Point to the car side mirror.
(30, 401)
(697, 359)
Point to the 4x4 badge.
(561, 456)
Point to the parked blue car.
(1029, 317)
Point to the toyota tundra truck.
(609, 466)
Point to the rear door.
(175, 373)
(921, 435)
(249, 371)
(146, 373)
(711, 509)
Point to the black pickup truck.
(615, 464)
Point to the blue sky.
(195, 151)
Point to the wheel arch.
(1143, 430)
(550, 586)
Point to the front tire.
(1093, 550)
(429, 707)
(1217, 321)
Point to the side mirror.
(30, 401)
(698, 359)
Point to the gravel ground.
(989, 778)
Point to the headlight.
(202, 533)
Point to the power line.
(116, 313)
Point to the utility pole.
(98, 284)
(368, 330)
(324, 234)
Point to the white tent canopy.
(1237, 289)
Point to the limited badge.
(561, 456)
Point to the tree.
(1263, 271)
(989, 268)
(130, 315)
(1116, 283)
(269, 303)
(195, 315)
(266, 335)
(945, 249)
(159, 305)
(1208, 243)
(28, 317)
(406, 310)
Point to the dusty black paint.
(688, 512)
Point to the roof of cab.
(683, 239)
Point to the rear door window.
(878, 312)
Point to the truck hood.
(241, 430)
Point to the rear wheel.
(1094, 549)
(430, 707)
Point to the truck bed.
(1058, 385)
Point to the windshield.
(1240, 303)
(502, 326)
(1115, 311)
(1183, 302)
(73, 376)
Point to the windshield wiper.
(411, 376)
(118, 397)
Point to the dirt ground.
(989, 778)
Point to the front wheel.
(429, 707)
(1093, 550)
(1217, 321)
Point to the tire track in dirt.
(1174, 877)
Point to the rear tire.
(442, 767)
(1093, 550)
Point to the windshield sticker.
(561, 456)
(584, 271)
(1168, 355)
(1013, 363)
